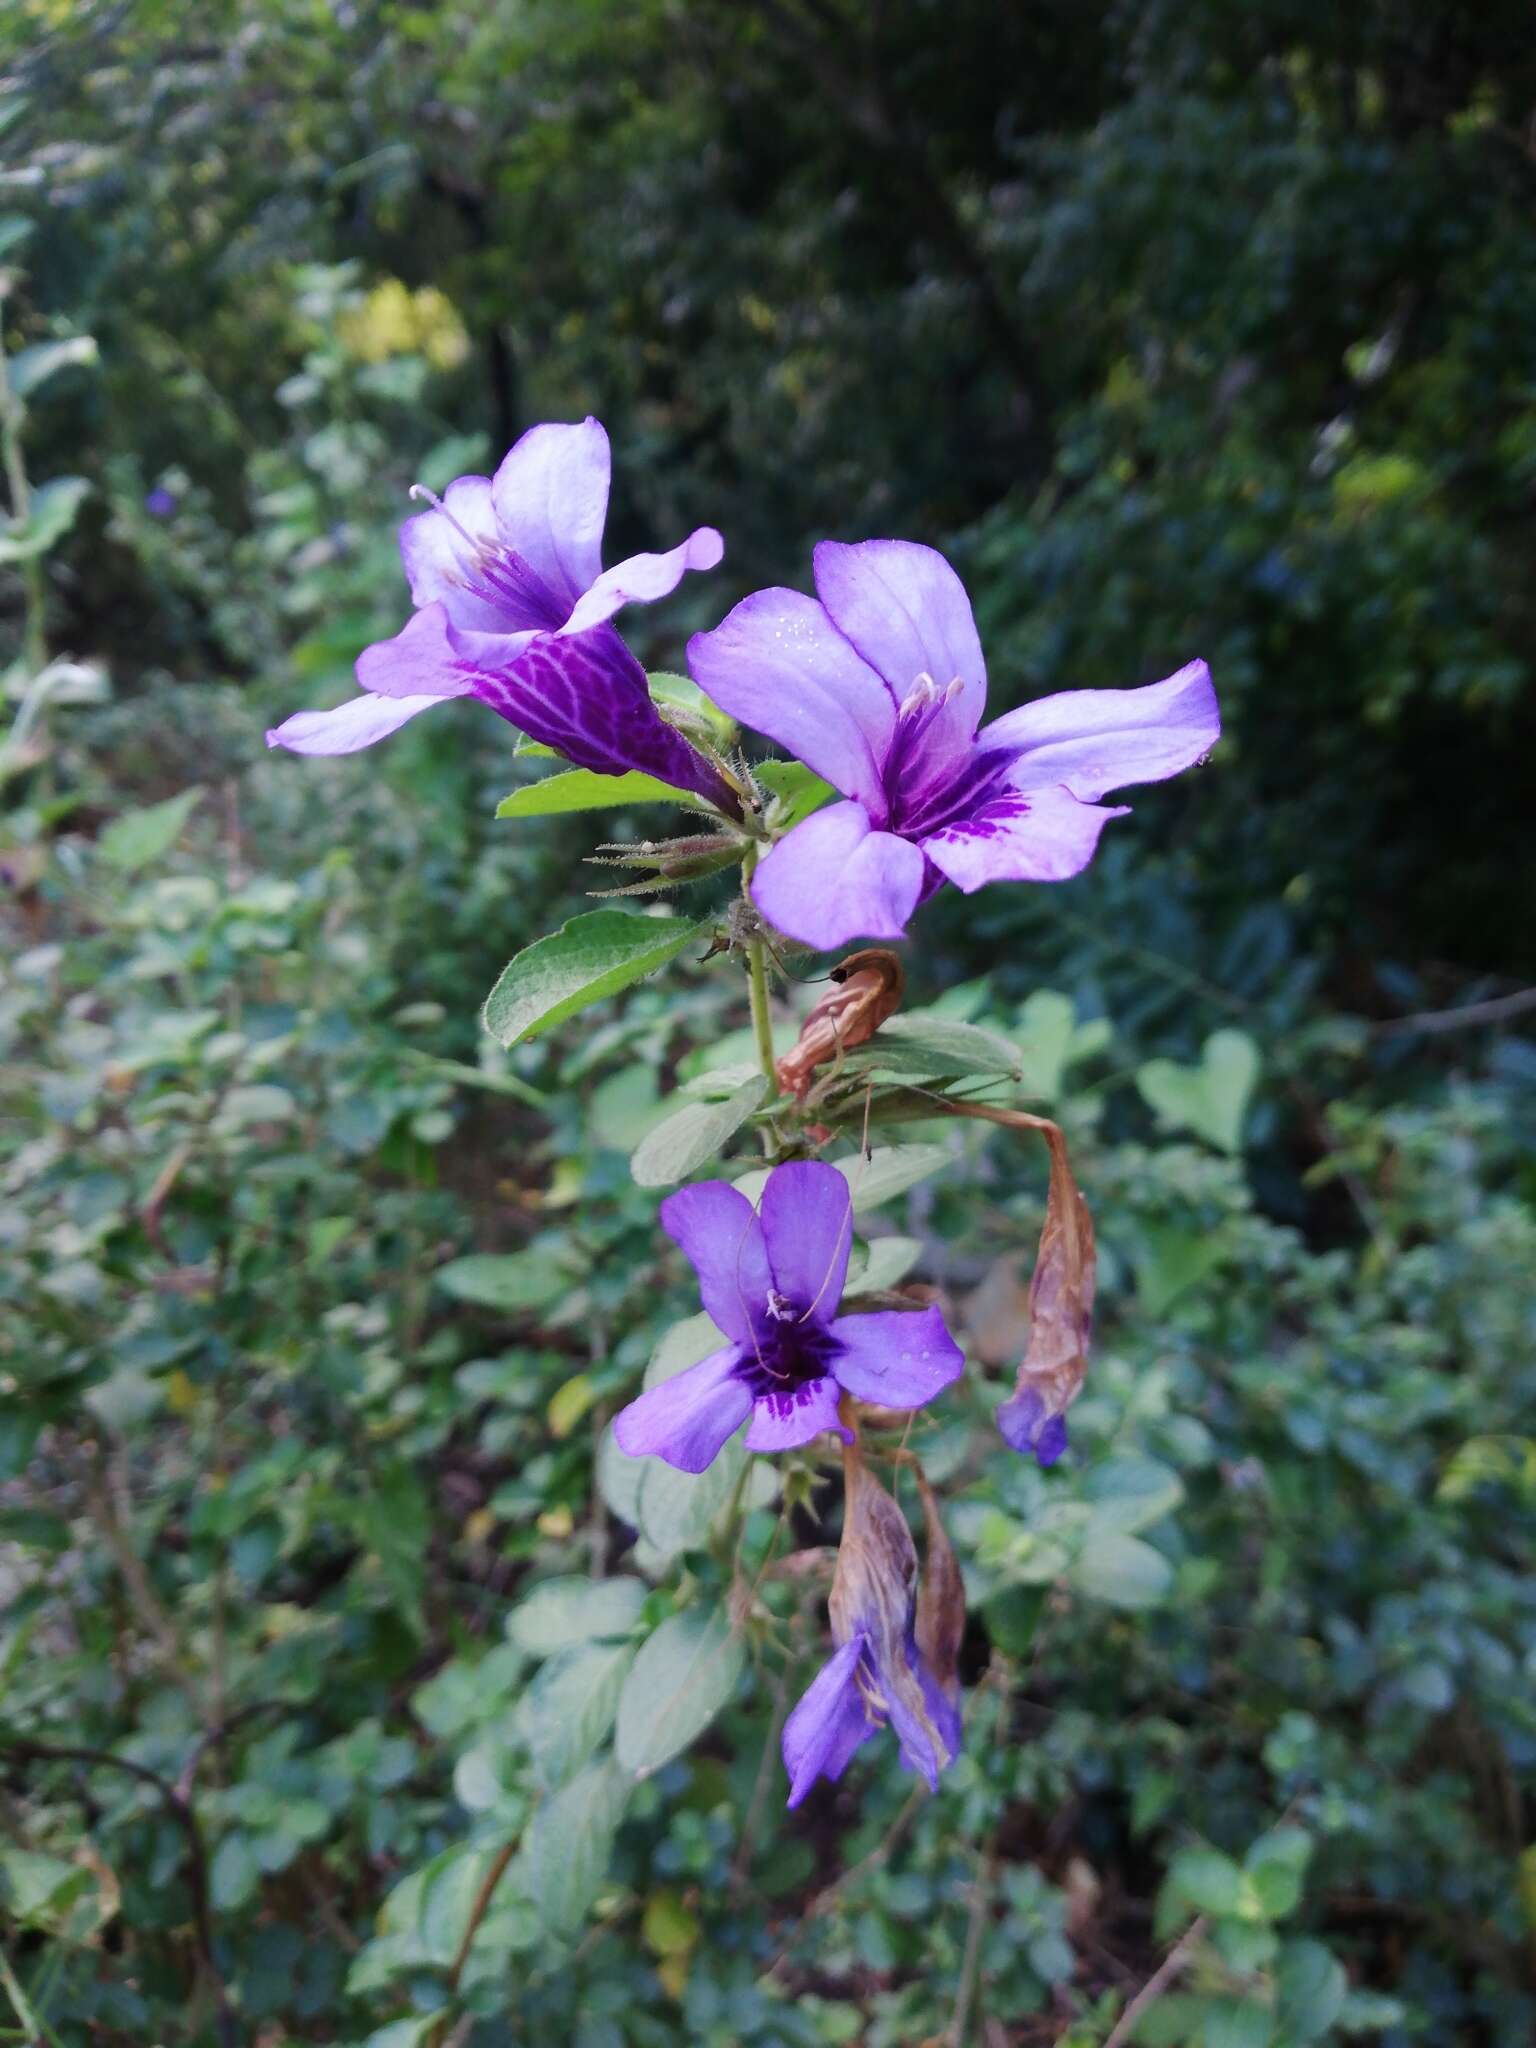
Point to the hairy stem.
(757, 982)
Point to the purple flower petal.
(423, 659)
(687, 1418)
(350, 727)
(1028, 1428)
(437, 547)
(943, 1712)
(807, 1214)
(777, 663)
(896, 1359)
(718, 1229)
(906, 611)
(644, 578)
(585, 695)
(827, 1725)
(551, 498)
(835, 878)
(1097, 740)
(784, 1421)
(1045, 836)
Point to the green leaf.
(30, 368)
(675, 1511)
(884, 1263)
(681, 1679)
(55, 505)
(562, 1613)
(920, 1042)
(1121, 1570)
(1236, 2023)
(682, 696)
(1169, 1260)
(1207, 1880)
(1313, 1989)
(887, 1172)
(136, 838)
(796, 791)
(691, 1135)
(14, 227)
(1130, 1494)
(565, 1857)
(509, 1281)
(1051, 1040)
(591, 957)
(37, 1887)
(1211, 1099)
(566, 1713)
(583, 790)
(1276, 1865)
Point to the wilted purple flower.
(160, 503)
(878, 1673)
(772, 1281)
(879, 687)
(1027, 1425)
(513, 607)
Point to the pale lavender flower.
(772, 1280)
(513, 607)
(880, 687)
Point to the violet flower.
(880, 687)
(513, 606)
(772, 1281)
(877, 1674)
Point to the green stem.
(34, 585)
(757, 980)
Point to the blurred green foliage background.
(1184, 327)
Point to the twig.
(477, 1912)
(1167, 1970)
(970, 1962)
(741, 1866)
(182, 1811)
(104, 1512)
(1494, 1011)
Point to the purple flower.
(513, 606)
(880, 687)
(160, 503)
(850, 1699)
(877, 1674)
(772, 1282)
(1027, 1425)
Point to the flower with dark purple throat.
(877, 1674)
(879, 687)
(772, 1278)
(513, 607)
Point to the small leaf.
(1121, 1570)
(583, 790)
(509, 1281)
(591, 957)
(1130, 1494)
(30, 368)
(919, 1042)
(669, 1927)
(1312, 1987)
(682, 696)
(1211, 1099)
(796, 790)
(567, 1711)
(569, 1843)
(1169, 1260)
(677, 1510)
(569, 1403)
(1209, 1881)
(681, 1679)
(53, 511)
(563, 1612)
(886, 1172)
(136, 838)
(885, 1263)
(691, 1135)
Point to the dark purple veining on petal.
(986, 818)
(785, 1358)
(585, 695)
(933, 773)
